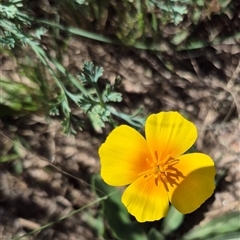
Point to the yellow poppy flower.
(156, 168)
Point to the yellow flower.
(155, 167)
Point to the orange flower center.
(163, 170)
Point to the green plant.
(86, 95)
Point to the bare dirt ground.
(204, 87)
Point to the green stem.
(136, 122)
(95, 85)
(64, 217)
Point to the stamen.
(147, 172)
(165, 160)
(149, 162)
(158, 157)
(162, 170)
(171, 162)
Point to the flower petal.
(196, 186)
(169, 133)
(123, 156)
(145, 200)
